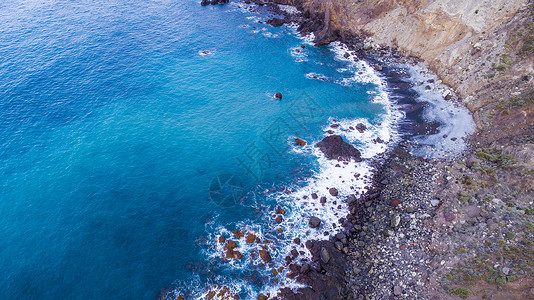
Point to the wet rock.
(265, 256)
(300, 142)
(323, 200)
(222, 239)
(333, 192)
(360, 127)
(250, 238)
(280, 211)
(342, 238)
(325, 255)
(314, 196)
(339, 245)
(238, 234)
(351, 200)
(296, 241)
(276, 22)
(230, 245)
(334, 147)
(205, 2)
(279, 219)
(278, 96)
(305, 268)
(314, 222)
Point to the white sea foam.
(457, 122)
(289, 9)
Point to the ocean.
(134, 134)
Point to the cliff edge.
(483, 49)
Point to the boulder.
(305, 268)
(205, 2)
(360, 127)
(278, 96)
(300, 142)
(325, 256)
(334, 147)
(265, 256)
(333, 192)
(276, 22)
(314, 222)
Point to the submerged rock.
(278, 96)
(334, 147)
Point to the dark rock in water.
(314, 196)
(361, 128)
(265, 256)
(214, 2)
(351, 200)
(300, 142)
(378, 67)
(325, 256)
(276, 22)
(323, 199)
(333, 192)
(314, 222)
(279, 219)
(427, 128)
(205, 2)
(278, 96)
(334, 147)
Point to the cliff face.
(483, 49)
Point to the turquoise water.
(114, 127)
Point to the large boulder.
(334, 147)
(276, 22)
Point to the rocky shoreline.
(426, 229)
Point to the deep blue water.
(113, 127)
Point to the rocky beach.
(433, 228)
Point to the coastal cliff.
(443, 229)
(482, 49)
